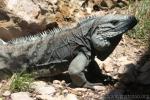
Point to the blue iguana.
(69, 50)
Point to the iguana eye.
(114, 22)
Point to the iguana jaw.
(108, 33)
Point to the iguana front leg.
(76, 71)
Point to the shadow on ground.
(93, 75)
(128, 88)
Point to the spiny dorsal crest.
(86, 19)
(50, 33)
(38, 36)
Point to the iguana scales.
(66, 49)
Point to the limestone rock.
(99, 88)
(20, 18)
(42, 88)
(38, 84)
(67, 97)
(107, 67)
(21, 96)
(49, 90)
(45, 97)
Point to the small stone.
(56, 82)
(89, 10)
(58, 86)
(45, 90)
(99, 88)
(107, 65)
(81, 89)
(21, 96)
(65, 91)
(53, 1)
(122, 70)
(6, 93)
(67, 97)
(71, 97)
(37, 84)
(45, 97)
(63, 82)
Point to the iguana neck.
(86, 27)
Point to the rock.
(21, 96)
(99, 88)
(71, 97)
(20, 18)
(45, 97)
(25, 9)
(63, 83)
(42, 88)
(81, 89)
(60, 97)
(37, 84)
(107, 67)
(56, 82)
(45, 90)
(122, 69)
(6, 93)
(65, 91)
(67, 97)
(58, 86)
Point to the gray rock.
(45, 97)
(37, 84)
(45, 90)
(81, 89)
(21, 96)
(42, 88)
(67, 97)
(99, 88)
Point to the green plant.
(141, 9)
(21, 82)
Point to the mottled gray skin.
(69, 50)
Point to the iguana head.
(107, 32)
